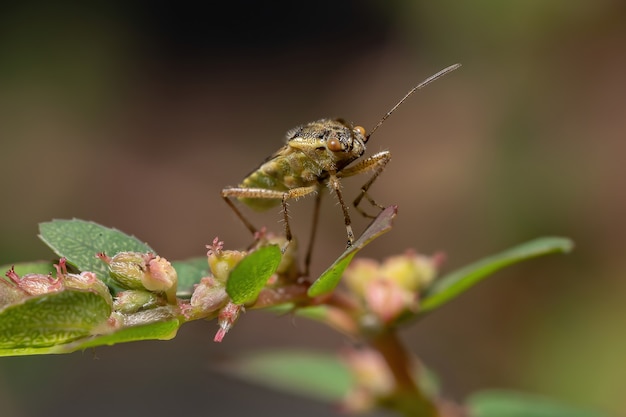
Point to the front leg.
(376, 163)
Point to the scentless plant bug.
(316, 154)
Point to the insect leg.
(309, 250)
(374, 163)
(246, 222)
(251, 193)
(334, 183)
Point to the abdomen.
(281, 173)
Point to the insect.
(316, 154)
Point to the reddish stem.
(408, 398)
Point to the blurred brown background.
(135, 116)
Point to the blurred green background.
(136, 115)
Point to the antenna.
(414, 89)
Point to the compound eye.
(334, 145)
(360, 130)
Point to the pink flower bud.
(35, 284)
(128, 268)
(208, 296)
(372, 379)
(226, 319)
(387, 300)
(143, 271)
(84, 281)
(359, 273)
(221, 262)
(411, 271)
(161, 277)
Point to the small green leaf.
(190, 272)
(497, 403)
(331, 277)
(35, 267)
(314, 375)
(250, 275)
(79, 241)
(459, 281)
(51, 319)
(317, 312)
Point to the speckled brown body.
(306, 159)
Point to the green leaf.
(331, 277)
(498, 403)
(51, 319)
(27, 351)
(459, 281)
(189, 273)
(79, 241)
(314, 375)
(250, 275)
(35, 267)
(154, 331)
(317, 312)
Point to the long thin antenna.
(414, 89)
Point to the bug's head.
(336, 139)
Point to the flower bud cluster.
(149, 283)
(143, 272)
(209, 297)
(18, 288)
(390, 289)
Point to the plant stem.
(408, 399)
